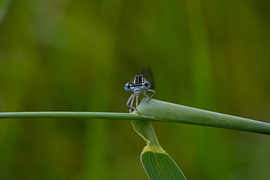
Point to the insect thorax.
(139, 79)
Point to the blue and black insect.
(141, 84)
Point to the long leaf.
(163, 111)
(169, 112)
(156, 162)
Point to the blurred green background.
(69, 55)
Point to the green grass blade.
(146, 130)
(159, 165)
(163, 111)
(169, 112)
(156, 162)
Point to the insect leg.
(145, 94)
(131, 98)
(154, 92)
(132, 102)
(137, 100)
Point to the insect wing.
(147, 74)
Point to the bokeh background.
(76, 55)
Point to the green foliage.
(169, 112)
(160, 166)
(156, 162)
(69, 55)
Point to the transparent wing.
(148, 75)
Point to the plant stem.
(161, 111)
(87, 115)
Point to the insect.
(140, 85)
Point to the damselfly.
(141, 84)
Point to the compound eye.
(147, 85)
(128, 87)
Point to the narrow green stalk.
(161, 111)
(87, 115)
